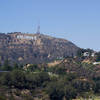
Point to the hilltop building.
(86, 54)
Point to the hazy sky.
(75, 20)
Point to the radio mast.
(38, 29)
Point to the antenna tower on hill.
(38, 29)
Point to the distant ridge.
(34, 48)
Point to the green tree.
(71, 76)
(41, 78)
(32, 67)
(2, 97)
(37, 80)
(70, 92)
(6, 66)
(98, 57)
(82, 85)
(60, 70)
(55, 91)
(0, 66)
(97, 84)
(6, 79)
(16, 66)
(31, 82)
(18, 79)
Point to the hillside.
(58, 82)
(34, 48)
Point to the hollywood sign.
(26, 37)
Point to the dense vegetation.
(48, 83)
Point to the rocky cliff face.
(34, 48)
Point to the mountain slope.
(34, 48)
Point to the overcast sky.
(75, 20)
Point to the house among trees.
(93, 54)
(86, 54)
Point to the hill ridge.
(34, 48)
